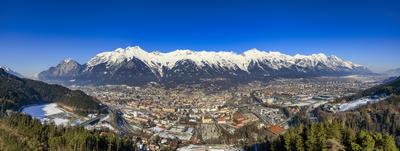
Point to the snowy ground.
(48, 112)
(356, 103)
(215, 147)
(41, 111)
(53, 113)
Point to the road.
(258, 102)
(96, 119)
(123, 125)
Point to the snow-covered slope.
(8, 70)
(229, 60)
(135, 64)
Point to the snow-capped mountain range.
(133, 65)
(10, 71)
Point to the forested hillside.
(332, 135)
(16, 92)
(21, 132)
(392, 87)
(381, 117)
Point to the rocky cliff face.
(63, 71)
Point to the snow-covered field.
(41, 111)
(53, 113)
(356, 103)
(48, 112)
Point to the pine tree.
(355, 147)
(389, 143)
(366, 141)
(321, 137)
(311, 140)
(299, 143)
(348, 138)
(287, 141)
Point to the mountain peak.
(117, 56)
(134, 49)
(69, 60)
(322, 55)
(68, 63)
(252, 50)
(4, 68)
(67, 67)
(183, 52)
(319, 56)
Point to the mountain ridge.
(10, 71)
(226, 58)
(134, 66)
(393, 72)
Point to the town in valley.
(160, 116)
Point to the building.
(221, 120)
(207, 119)
(276, 129)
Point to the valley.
(205, 115)
(193, 114)
(199, 75)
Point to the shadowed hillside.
(16, 92)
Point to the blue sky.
(37, 34)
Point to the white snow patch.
(45, 111)
(41, 111)
(60, 121)
(356, 103)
